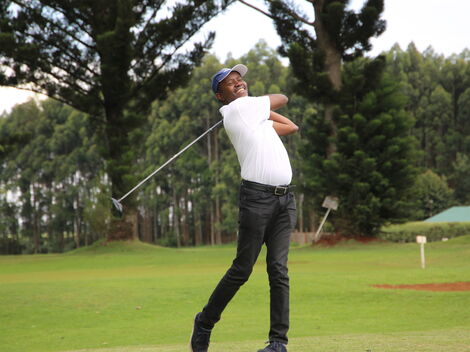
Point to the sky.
(444, 25)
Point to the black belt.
(276, 190)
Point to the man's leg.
(256, 209)
(277, 242)
(253, 221)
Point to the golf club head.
(117, 207)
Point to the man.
(267, 205)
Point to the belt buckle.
(280, 190)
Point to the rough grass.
(129, 296)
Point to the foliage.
(433, 231)
(371, 169)
(201, 187)
(438, 98)
(47, 174)
(459, 179)
(102, 58)
(340, 34)
(430, 194)
(54, 189)
(357, 145)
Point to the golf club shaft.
(169, 161)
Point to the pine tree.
(103, 57)
(350, 151)
(372, 166)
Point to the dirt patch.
(333, 239)
(442, 287)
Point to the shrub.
(430, 195)
(433, 231)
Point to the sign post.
(422, 240)
(329, 203)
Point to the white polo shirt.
(261, 153)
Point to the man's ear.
(219, 97)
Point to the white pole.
(321, 225)
(423, 259)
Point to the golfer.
(267, 212)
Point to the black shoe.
(200, 337)
(274, 346)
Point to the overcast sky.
(442, 24)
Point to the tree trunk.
(186, 220)
(76, 230)
(176, 225)
(76, 223)
(147, 226)
(313, 221)
(325, 44)
(332, 67)
(36, 219)
(197, 227)
(117, 167)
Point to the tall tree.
(344, 156)
(438, 92)
(49, 170)
(201, 189)
(103, 57)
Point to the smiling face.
(232, 87)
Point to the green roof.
(454, 214)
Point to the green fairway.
(137, 297)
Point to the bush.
(430, 195)
(433, 231)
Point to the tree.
(372, 167)
(431, 195)
(201, 187)
(103, 57)
(343, 155)
(459, 179)
(50, 170)
(316, 60)
(439, 100)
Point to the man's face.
(232, 87)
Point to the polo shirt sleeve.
(254, 110)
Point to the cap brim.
(222, 74)
(240, 68)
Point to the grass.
(130, 296)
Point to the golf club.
(117, 202)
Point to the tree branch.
(144, 29)
(288, 10)
(21, 4)
(78, 78)
(257, 9)
(65, 51)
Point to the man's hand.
(282, 125)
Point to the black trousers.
(263, 218)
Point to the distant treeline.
(54, 189)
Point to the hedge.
(436, 231)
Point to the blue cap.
(219, 76)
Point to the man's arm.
(277, 101)
(282, 125)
